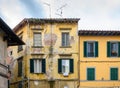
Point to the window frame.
(20, 66)
(109, 51)
(43, 65)
(40, 44)
(67, 42)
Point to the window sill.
(37, 46)
(65, 46)
(37, 53)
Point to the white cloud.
(12, 11)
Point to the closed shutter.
(96, 49)
(114, 73)
(90, 74)
(31, 66)
(85, 49)
(59, 65)
(43, 66)
(71, 66)
(108, 49)
(118, 49)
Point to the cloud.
(33, 8)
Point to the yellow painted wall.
(102, 63)
(28, 52)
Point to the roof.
(45, 20)
(98, 33)
(11, 37)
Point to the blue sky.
(94, 14)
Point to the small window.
(65, 39)
(37, 65)
(37, 39)
(113, 49)
(20, 47)
(90, 73)
(20, 66)
(90, 49)
(65, 66)
(114, 74)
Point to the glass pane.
(65, 39)
(65, 66)
(90, 49)
(114, 49)
(37, 39)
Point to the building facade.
(99, 59)
(6, 39)
(50, 57)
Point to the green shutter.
(90, 74)
(108, 49)
(31, 66)
(71, 66)
(114, 73)
(43, 66)
(59, 65)
(118, 49)
(85, 49)
(96, 49)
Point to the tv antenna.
(61, 10)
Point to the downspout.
(78, 60)
(28, 33)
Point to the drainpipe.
(78, 61)
(28, 36)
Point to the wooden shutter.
(31, 66)
(114, 73)
(108, 49)
(90, 74)
(59, 65)
(85, 49)
(96, 49)
(71, 67)
(43, 66)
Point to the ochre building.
(50, 57)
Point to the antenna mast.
(61, 10)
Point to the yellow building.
(99, 59)
(50, 57)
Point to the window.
(90, 73)
(20, 47)
(65, 39)
(113, 49)
(20, 66)
(37, 39)
(37, 66)
(90, 49)
(65, 66)
(113, 73)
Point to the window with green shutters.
(90, 49)
(91, 74)
(20, 66)
(37, 66)
(65, 65)
(113, 73)
(113, 49)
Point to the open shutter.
(85, 49)
(71, 66)
(96, 49)
(31, 66)
(108, 49)
(59, 65)
(43, 66)
(118, 49)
